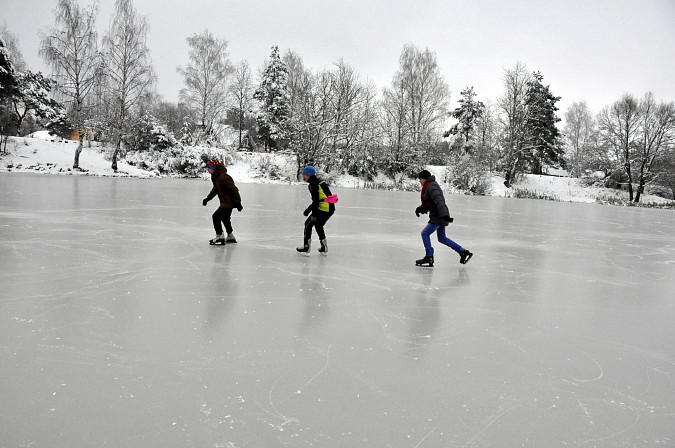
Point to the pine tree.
(542, 135)
(274, 99)
(33, 97)
(467, 114)
(8, 80)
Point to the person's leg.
(307, 235)
(443, 239)
(321, 219)
(216, 222)
(225, 216)
(309, 223)
(426, 233)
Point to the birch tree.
(206, 80)
(657, 122)
(241, 91)
(579, 134)
(415, 107)
(69, 48)
(619, 127)
(128, 67)
(514, 119)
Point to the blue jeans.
(440, 232)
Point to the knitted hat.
(212, 164)
(424, 174)
(309, 171)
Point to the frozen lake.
(120, 326)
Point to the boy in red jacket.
(433, 202)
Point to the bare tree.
(487, 134)
(514, 119)
(241, 91)
(206, 77)
(657, 137)
(128, 67)
(69, 48)
(619, 127)
(415, 107)
(580, 135)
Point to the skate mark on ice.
(425, 437)
(600, 375)
(285, 420)
(600, 439)
(316, 375)
(508, 341)
(500, 415)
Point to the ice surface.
(120, 326)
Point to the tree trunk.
(630, 181)
(76, 163)
(114, 156)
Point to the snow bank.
(45, 153)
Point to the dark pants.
(318, 222)
(222, 214)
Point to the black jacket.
(434, 201)
(313, 187)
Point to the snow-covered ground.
(44, 153)
(120, 326)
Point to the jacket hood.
(220, 169)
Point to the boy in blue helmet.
(318, 212)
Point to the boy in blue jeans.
(433, 203)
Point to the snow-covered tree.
(128, 67)
(241, 91)
(415, 107)
(70, 50)
(580, 136)
(8, 79)
(467, 114)
(274, 101)
(513, 121)
(619, 133)
(541, 134)
(657, 138)
(33, 97)
(206, 80)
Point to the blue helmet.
(309, 171)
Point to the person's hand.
(446, 218)
(307, 212)
(205, 201)
(239, 207)
(418, 211)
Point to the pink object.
(332, 199)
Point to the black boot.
(324, 246)
(465, 256)
(427, 260)
(304, 248)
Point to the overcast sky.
(593, 50)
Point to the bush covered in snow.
(181, 160)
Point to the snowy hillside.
(44, 153)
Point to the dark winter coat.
(433, 202)
(224, 187)
(319, 190)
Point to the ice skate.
(465, 256)
(426, 261)
(230, 238)
(324, 247)
(219, 239)
(305, 248)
